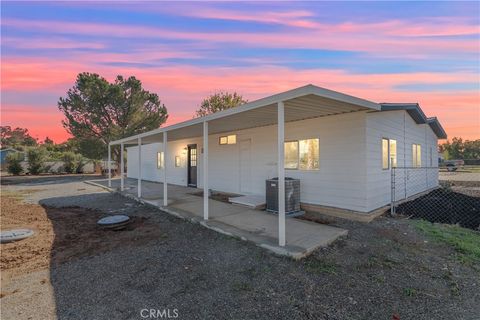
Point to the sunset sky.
(387, 52)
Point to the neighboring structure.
(3, 156)
(339, 146)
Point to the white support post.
(139, 185)
(109, 166)
(205, 170)
(165, 157)
(281, 174)
(122, 168)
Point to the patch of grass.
(241, 286)
(472, 168)
(267, 269)
(382, 262)
(410, 292)
(321, 266)
(466, 242)
(454, 287)
(19, 195)
(379, 279)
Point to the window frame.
(389, 153)
(160, 160)
(298, 154)
(227, 139)
(178, 162)
(297, 141)
(416, 160)
(431, 157)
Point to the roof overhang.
(414, 110)
(301, 103)
(437, 127)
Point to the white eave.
(301, 103)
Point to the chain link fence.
(416, 192)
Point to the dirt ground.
(70, 269)
(61, 235)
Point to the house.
(340, 147)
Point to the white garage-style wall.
(339, 182)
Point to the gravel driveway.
(381, 269)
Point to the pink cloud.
(181, 88)
(355, 37)
(439, 26)
(50, 43)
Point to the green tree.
(14, 163)
(99, 111)
(459, 149)
(36, 160)
(218, 102)
(16, 138)
(471, 149)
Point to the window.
(160, 160)
(389, 153)
(302, 154)
(309, 154)
(416, 155)
(230, 139)
(393, 152)
(291, 155)
(385, 153)
(193, 157)
(431, 157)
(178, 161)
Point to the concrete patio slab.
(256, 226)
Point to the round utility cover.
(113, 220)
(15, 235)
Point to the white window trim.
(226, 137)
(415, 159)
(389, 167)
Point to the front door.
(192, 165)
(245, 166)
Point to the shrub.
(36, 160)
(69, 162)
(81, 162)
(73, 162)
(14, 163)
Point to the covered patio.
(247, 224)
(298, 104)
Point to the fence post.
(392, 187)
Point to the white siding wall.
(340, 181)
(400, 126)
(175, 175)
